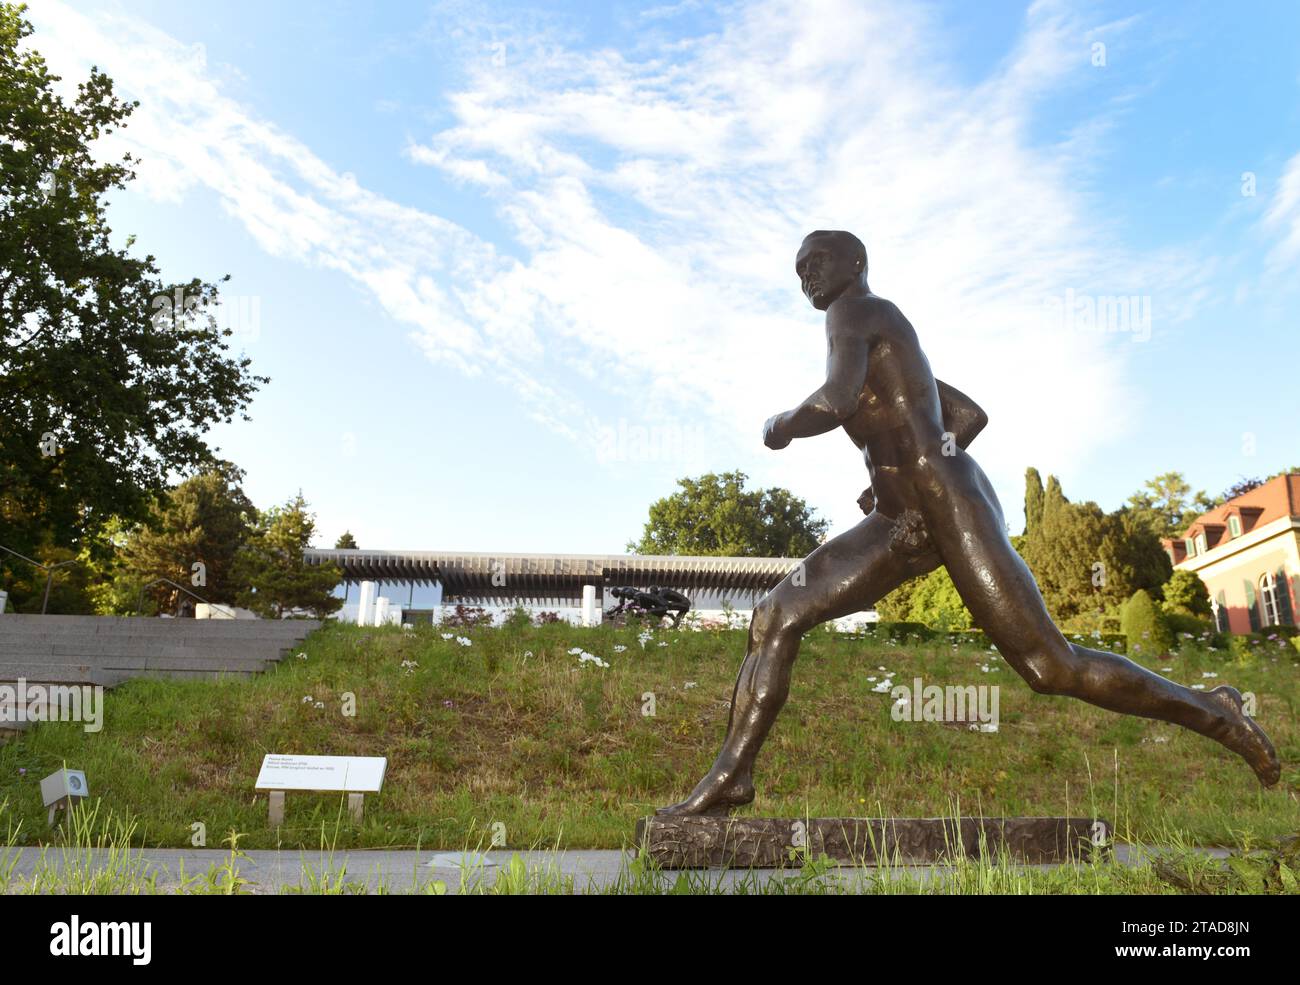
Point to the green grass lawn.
(513, 729)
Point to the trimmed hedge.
(1145, 625)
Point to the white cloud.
(1283, 216)
(656, 204)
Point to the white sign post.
(354, 775)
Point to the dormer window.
(1234, 526)
(1200, 543)
(1191, 547)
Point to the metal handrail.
(158, 581)
(51, 568)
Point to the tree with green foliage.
(1142, 621)
(1033, 498)
(1061, 549)
(1132, 557)
(716, 515)
(111, 374)
(1166, 504)
(193, 538)
(1087, 561)
(1185, 593)
(346, 543)
(931, 599)
(279, 580)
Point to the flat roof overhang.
(497, 578)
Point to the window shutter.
(1285, 614)
(1251, 608)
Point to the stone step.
(11, 624)
(62, 673)
(271, 649)
(129, 661)
(108, 650)
(110, 678)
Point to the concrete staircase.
(108, 650)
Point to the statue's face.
(824, 270)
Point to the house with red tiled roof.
(1247, 552)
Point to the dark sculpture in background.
(929, 504)
(651, 606)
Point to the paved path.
(405, 871)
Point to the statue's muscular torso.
(899, 425)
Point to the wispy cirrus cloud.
(1283, 217)
(655, 200)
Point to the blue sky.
(513, 270)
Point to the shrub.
(518, 619)
(468, 616)
(1145, 625)
(1185, 593)
(1181, 626)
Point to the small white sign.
(324, 774)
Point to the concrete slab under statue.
(696, 842)
(928, 505)
(354, 775)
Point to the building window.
(1234, 526)
(1191, 547)
(1268, 600)
(1200, 543)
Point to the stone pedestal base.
(770, 842)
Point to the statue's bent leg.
(998, 588)
(845, 575)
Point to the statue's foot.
(1242, 735)
(717, 795)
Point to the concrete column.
(381, 611)
(366, 603)
(591, 614)
(437, 602)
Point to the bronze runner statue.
(929, 504)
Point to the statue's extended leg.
(845, 575)
(964, 522)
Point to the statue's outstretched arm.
(836, 400)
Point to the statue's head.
(827, 263)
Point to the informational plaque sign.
(324, 774)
